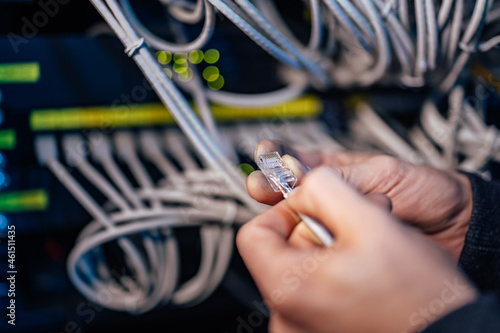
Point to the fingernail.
(264, 147)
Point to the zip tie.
(130, 50)
(468, 48)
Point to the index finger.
(264, 247)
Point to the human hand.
(437, 202)
(379, 276)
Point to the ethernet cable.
(293, 90)
(152, 150)
(102, 154)
(404, 14)
(75, 159)
(424, 20)
(159, 43)
(420, 61)
(456, 26)
(346, 22)
(384, 58)
(463, 133)
(316, 26)
(255, 35)
(361, 18)
(468, 43)
(282, 41)
(196, 89)
(193, 16)
(158, 283)
(331, 42)
(382, 133)
(125, 149)
(426, 148)
(432, 34)
(395, 26)
(172, 98)
(47, 150)
(355, 15)
(270, 12)
(444, 13)
(156, 267)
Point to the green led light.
(26, 72)
(8, 139)
(211, 73)
(180, 58)
(168, 72)
(16, 202)
(186, 76)
(217, 84)
(246, 168)
(196, 57)
(164, 58)
(212, 56)
(180, 68)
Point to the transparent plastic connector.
(281, 178)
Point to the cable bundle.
(367, 41)
(459, 140)
(206, 145)
(139, 221)
(139, 215)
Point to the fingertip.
(258, 187)
(298, 169)
(265, 147)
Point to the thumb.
(344, 211)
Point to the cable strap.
(130, 50)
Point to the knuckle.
(317, 176)
(390, 165)
(244, 236)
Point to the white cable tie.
(130, 50)
(468, 48)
